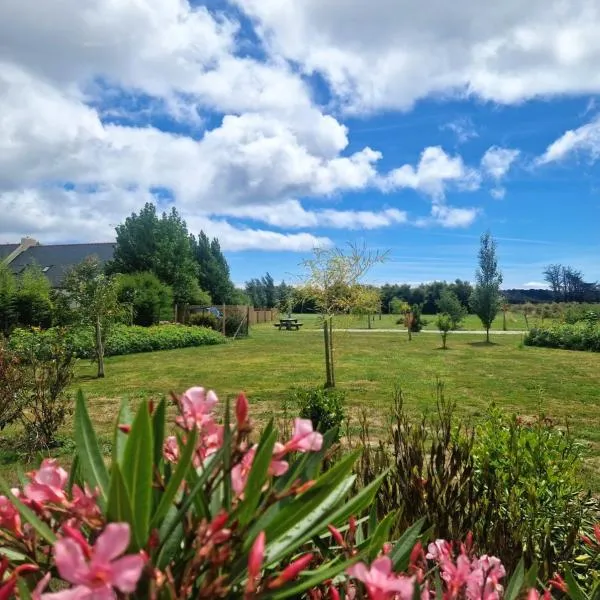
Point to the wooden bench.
(288, 325)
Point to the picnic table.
(288, 324)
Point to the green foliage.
(32, 299)
(15, 381)
(8, 309)
(581, 336)
(325, 407)
(124, 339)
(450, 305)
(145, 296)
(235, 323)
(398, 306)
(213, 270)
(204, 319)
(162, 246)
(529, 472)
(486, 297)
(444, 325)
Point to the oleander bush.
(579, 336)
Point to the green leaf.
(120, 438)
(531, 575)
(137, 471)
(171, 533)
(401, 551)
(516, 582)
(258, 475)
(24, 593)
(439, 590)
(227, 456)
(380, 535)
(73, 473)
(119, 503)
(28, 515)
(158, 426)
(183, 466)
(92, 464)
(575, 592)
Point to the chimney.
(26, 243)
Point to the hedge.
(127, 339)
(579, 336)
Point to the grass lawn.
(562, 384)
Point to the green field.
(564, 385)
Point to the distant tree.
(553, 277)
(399, 307)
(146, 297)
(213, 269)
(330, 274)
(364, 300)
(567, 284)
(450, 305)
(8, 291)
(32, 300)
(93, 298)
(256, 292)
(463, 291)
(486, 297)
(162, 246)
(270, 291)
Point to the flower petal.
(70, 561)
(126, 572)
(111, 543)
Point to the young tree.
(94, 298)
(450, 305)
(145, 296)
(486, 297)
(444, 325)
(330, 275)
(365, 300)
(34, 307)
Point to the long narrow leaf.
(183, 466)
(401, 551)
(227, 456)
(120, 438)
(575, 592)
(380, 535)
(158, 427)
(119, 507)
(92, 464)
(258, 475)
(28, 515)
(516, 582)
(24, 593)
(137, 471)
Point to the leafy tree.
(399, 307)
(444, 325)
(567, 284)
(486, 297)
(463, 291)
(145, 296)
(450, 305)
(364, 300)
(330, 274)
(213, 270)
(270, 291)
(162, 246)
(94, 298)
(256, 292)
(8, 309)
(32, 300)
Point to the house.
(54, 259)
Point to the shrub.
(325, 407)
(8, 310)
(14, 381)
(147, 298)
(32, 299)
(124, 339)
(236, 323)
(205, 319)
(581, 336)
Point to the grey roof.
(6, 249)
(59, 258)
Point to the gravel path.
(460, 331)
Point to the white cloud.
(498, 193)
(497, 161)
(436, 170)
(452, 217)
(535, 285)
(463, 128)
(292, 215)
(380, 54)
(583, 139)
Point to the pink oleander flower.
(211, 439)
(304, 438)
(292, 571)
(241, 471)
(83, 502)
(483, 582)
(171, 449)
(47, 484)
(438, 549)
(104, 572)
(255, 561)
(196, 407)
(241, 410)
(9, 516)
(381, 582)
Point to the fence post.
(224, 319)
(248, 320)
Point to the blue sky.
(410, 127)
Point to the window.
(46, 269)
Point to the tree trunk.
(504, 320)
(487, 335)
(331, 364)
(444, 335)
(526, 322)
(99, 348)
(369, 320)
(328, 378)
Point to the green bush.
(580, 336)
(124, 339)
(235, 323)
(205, 319)
(145, 295)
(325, 407)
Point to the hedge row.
(566, 336)
(124, 339)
